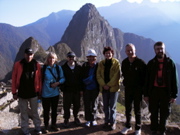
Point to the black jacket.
(170, 73)
(134, 73)
(73, 78)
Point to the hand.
(15, 97)
(106, 87)
(81, 93)
(146, 99)
(172, 100)
(53, 85)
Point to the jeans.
(50, 103)
(109, 102)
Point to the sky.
(23, 12)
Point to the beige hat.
(91, 52)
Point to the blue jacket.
(47, 91)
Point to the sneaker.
(66, 123)
(55, 128)
(94, 123)
(88, 123)
(46, 129)
(138, 132)
(38, 132)
(125, 130)
(77, 121)
(113, 126)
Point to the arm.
(116, 74)
(99, 74)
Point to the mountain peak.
(88, 29)
(87, 11)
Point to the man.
(161, 88)
(26, 86)
(133, 71)
(72, 88)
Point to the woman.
(108, 77)
(52, 77)
(91, 87)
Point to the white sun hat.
(91, 52)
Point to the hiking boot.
(77, 122)
(106, 125)
(66, 123)
(38, 132)
(55, 128)
(46, 129)
(125, 130)
(154, 132)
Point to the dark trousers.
(50, 103)
(68, 99)
(133, 95)
(159, 106)
(90, 104)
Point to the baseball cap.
(91, 52)
(69, 54)
(29, 51)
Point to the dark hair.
(159, 43)
(108, 49)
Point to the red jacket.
(16, 76)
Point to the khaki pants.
(24, 104)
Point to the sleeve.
(147, 81)
(14, 79)
(99, 74)
(61, 74)
(39, 78)
(116, 75)
(175, 81)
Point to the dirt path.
(98, 130)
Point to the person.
(72, 88)
(52, 77)
(26, 87)
(91, 87)
(161, 88)
(108, 77)
(134, 71)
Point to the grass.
(120, 108)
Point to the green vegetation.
(120, 108)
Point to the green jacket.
(114, 82)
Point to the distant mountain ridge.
(150, 20)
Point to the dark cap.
(69, 54)
(29, 51)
